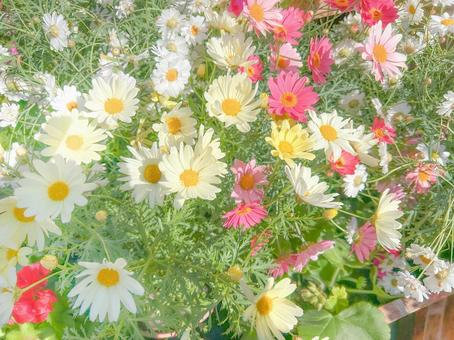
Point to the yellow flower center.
(256, 11)
(328, 132)
(231, 107)
(424, 259)
(423, 176)
(250, 71)
(442, 275)
(171, 23)
(435, 155)
(172, 74)
(316, 60)
(19, 215)
(353, 104)
(74, 142)
(288, 99)
(357, 181)
(264, 305)
(54, 32)
(71, 105)
(58, 191)
(376, 14)
(447, 22)
(412, 9)
(108, 277)
(194, 30)
(341, 3)
(285, 147)
(173, 125)
(189, 178)
(171, 46)
(394, 282)
(380, 54)
(113, 106)
(243, 211)
(282, 62)
(151, 173)
(10, 254)
(247, 181)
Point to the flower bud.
(101, 216)
(201, 70)
(329, 214)
(263, 100)
(49, 262)
(235, 273)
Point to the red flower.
(236, 7)
(384, 132)
(373, 11)
(35, 304)
(345, 164)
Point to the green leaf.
(361, 321)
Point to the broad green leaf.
(361, 321)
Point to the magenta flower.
(320, 59)
(249, 180)
(384, 132)
(380, 49)
(245, 215)
(290, 96)
(286, 58)
(373, 11)
(289, 28)
(345, 164)
(364, 242)
(254, 70)
(236, 7)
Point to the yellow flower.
(290, 142)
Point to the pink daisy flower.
(236, 7)
(262, 15)
(364, 242)
(249, 181)
(345, 164)
(298, 261)
(286, 58)
(254, 70)
(373, 11)
(289, 28)
(341, 5)
(380, 49)
(290, 96)
(320, 59)
(245, 215)
(423, 177)
(383, 131)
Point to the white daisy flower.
(7, 295)
(171, 76)
(112, 99)
(352, 102)
(230, 50)
(195, 30)
(412, 12)
(191, 175)
(385, 157)
(143, 175)
(363, 147)
(231, 99)
(399, 109)
(441, 25)
(205, 140)
(445, 109)
(103, 288)
(411, 287)
(443, 3)
(54, 190)
(223, 21)
(72, 138)
(9, 114)
(176, 126)
(385, 221)
(124, 8)
(434, 152)
(117, 40)
(331, 133)
(57, 30)
(171, 47)
(10, 257)
(67, 100)
(344, 50)
(270, 312)
(422, 256)
(356, 182)
(412, 44)
(441, 279)
(309, 189)
(390, 283)
(170, 22)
